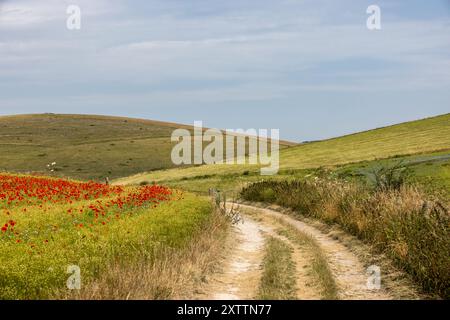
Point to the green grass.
(40, 272)
(85, 146)
(278, 279)
(431, 171)
(418, 138)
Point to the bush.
(391, 177)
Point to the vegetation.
(278, 279)
(430, 171)
(173, 273)
(51, 224)
(85, 146)
(401, 222)
(320, 269)
(390, 187)
(424, 145)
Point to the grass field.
(49, 225)
(86, 146)
(135, 228)
(423, 144)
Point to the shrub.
(391, 177)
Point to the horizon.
(209, 127)
(309, 68)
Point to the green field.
(40, 240)
(423, 144)
(85, 146)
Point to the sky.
(310, 68)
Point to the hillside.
(85, 146)
(416, 137)
(421, 136)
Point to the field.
(423, 144)
(85, 147)
(49, 225)
(153, 234)
(416, 240)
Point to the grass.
(83, 147)
(278, 279)
(92, 147)
(410, 228)
(422, 136)
(171, 274)
(35, 267)
(431, 170)
(86, 146)
(320, 269)
(418, 138)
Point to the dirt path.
(350, 274)
(241, 271)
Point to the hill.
(85, 146)
(421, 136)
(424, 136)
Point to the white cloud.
(29, 13)
(239, 55)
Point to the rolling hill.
(86, 146)
(424, 136)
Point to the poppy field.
(49, 225)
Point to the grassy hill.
(422, 136)
(93, 147)
(411, 138)
(85, 146)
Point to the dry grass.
(278, 279)
(320, 269)
(170, 274)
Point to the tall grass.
(413, 230)
(172, 273)
(124, 243)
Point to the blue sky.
(308, 67)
